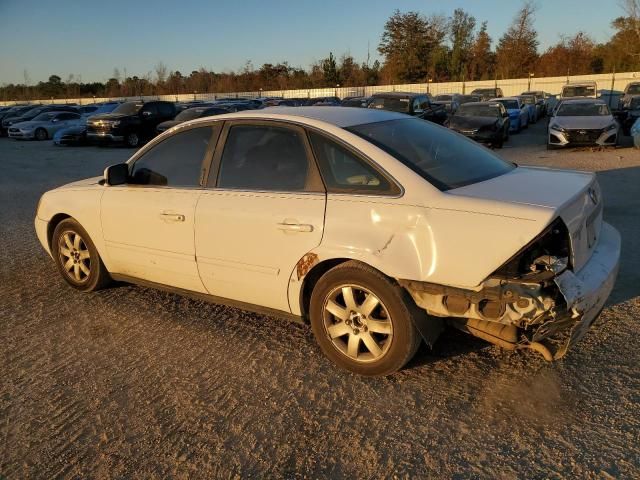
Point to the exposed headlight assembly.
(557, 128)
(115, 123)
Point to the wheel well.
(53, 223)
(312, 278)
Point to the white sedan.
(377, 228)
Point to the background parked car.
(11, 112)
(582, 122)
(579, 89)
(76, 133)
(487, 93)
(416, 104)
(532, 108)
(131, 123)
(635, 133)
(360, 102)
(631, 114)
(632, 89)
(448, 100)
(32, 113)
(191, 114)
(484, 122)
(541, 100)
(468, 99)
(43, 126)
(518, 112)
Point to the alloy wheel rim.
(75, 257)
(357, 323)
(133, 139)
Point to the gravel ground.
(132, 382)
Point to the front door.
(263, 213)
(148, 224)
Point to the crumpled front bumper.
(587, 290)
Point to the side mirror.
(116, 174)
(146, 113)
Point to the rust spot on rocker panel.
(305, 264)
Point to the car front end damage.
(581, 137)
(545, 298)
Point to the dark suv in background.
(131, 123)
(416, 104)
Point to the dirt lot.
(134, 383)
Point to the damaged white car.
(377, 228)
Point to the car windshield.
(435, 153)
(469, 110)
(108, 108)
(633, 89)
(32, 113)
(583, 110)
(579, 91)
(484, 91)
(528, 100)
(444, 98)
(190, 114)
(509, 104)
(44, 117)
(129, 108)
(394, 104)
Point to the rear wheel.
(41, 134)
(362, 320)
(77, 258)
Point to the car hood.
(533, 186)
(107, 116)
(87, 182)
(471, 122)
(583, 122)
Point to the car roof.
(584, 100)
(491, 103)
(397, 94)
(339, 116)
(503, 98)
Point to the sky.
(90, 38)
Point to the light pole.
(529, 83)
(195, 92)
(429, 80)
(335, 92)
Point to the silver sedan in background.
(44, 126)
(582, 122)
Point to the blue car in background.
(518, 112)
(77, 134)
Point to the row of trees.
(415, 48)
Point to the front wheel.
(77, 258)
(362, 320)
(41, 134)
(132, 139)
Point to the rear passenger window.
(257, 157)
(175, 162)
(343, 172)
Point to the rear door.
(264, 210)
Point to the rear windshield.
(442, 157)
(468, 98)
(528, 100)
(469, 110)
(393, 104)
(190, 114)
(634, 89)
(509, 104)
(129, 108)
(583, 110)
(579, 91)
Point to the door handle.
(295, 227)
(172, 217)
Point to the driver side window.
(175, 162)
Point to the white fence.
(606, 82)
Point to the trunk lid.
(574, 196)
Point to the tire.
(132, 139)
(77, 258)
(356, 345)
(41, 134)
